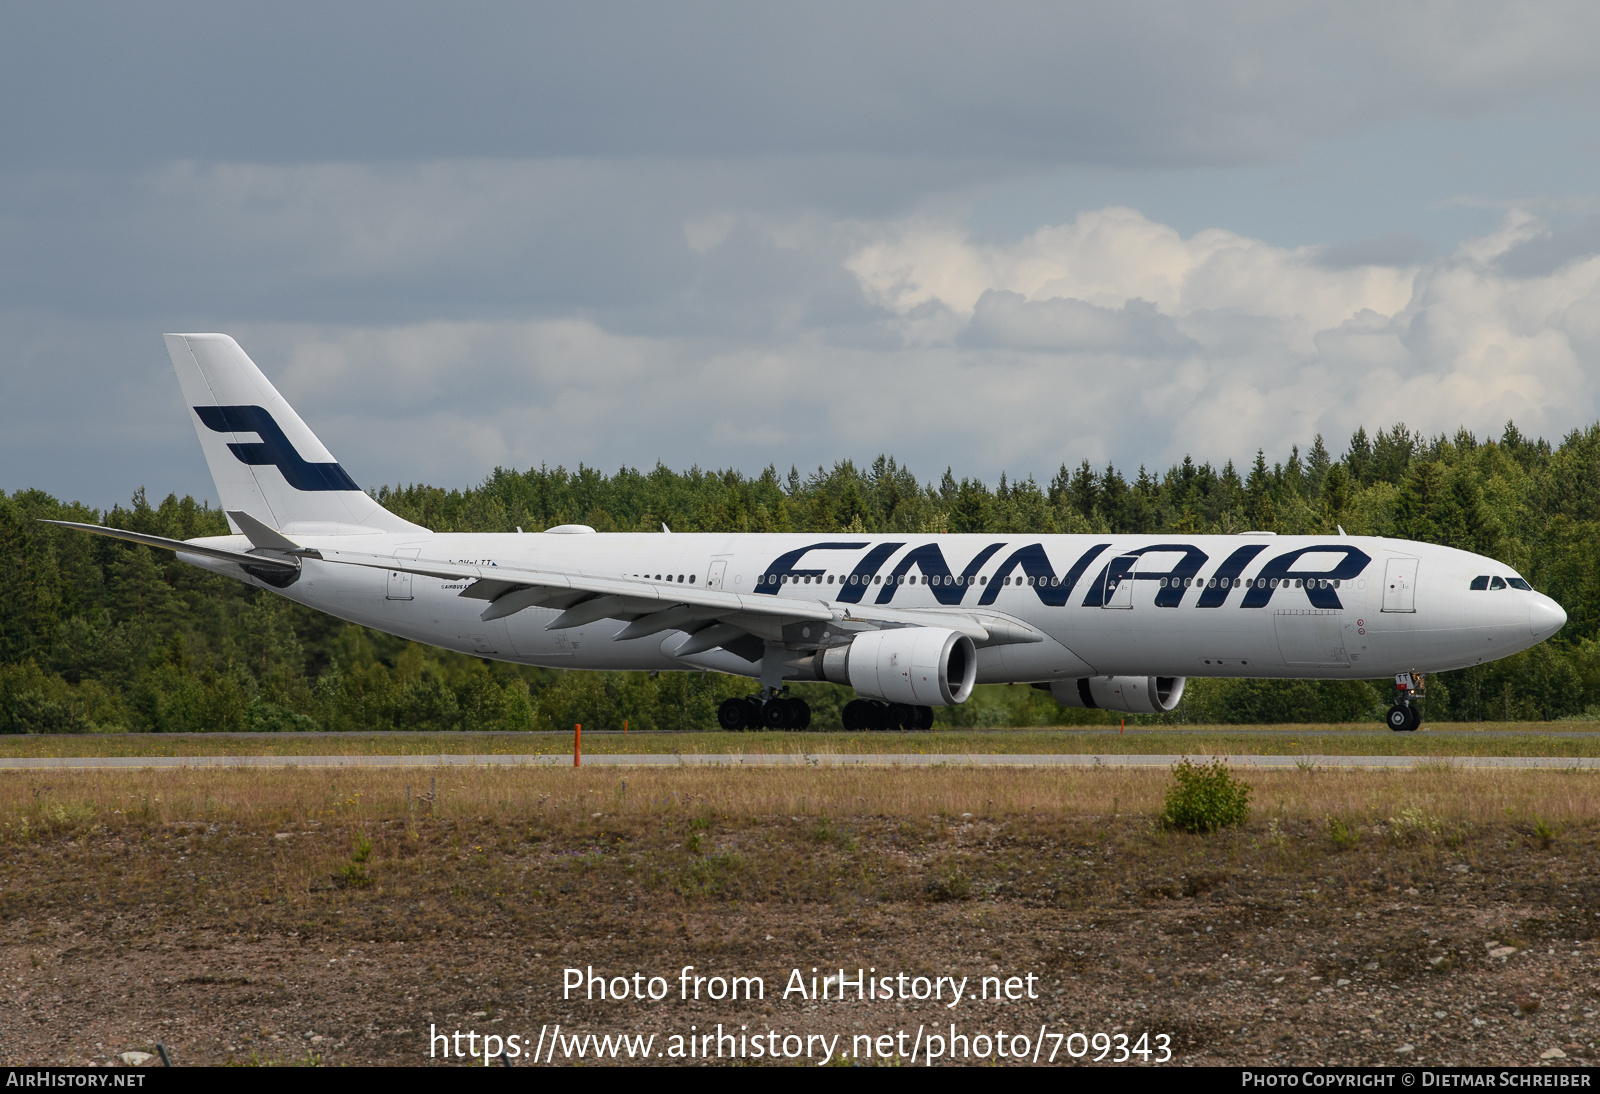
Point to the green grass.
(1476, 739)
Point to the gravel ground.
(1273, 944)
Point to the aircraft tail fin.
(265, 461)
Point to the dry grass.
(1486, 739)
(561, 795)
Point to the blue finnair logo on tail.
(273, 448)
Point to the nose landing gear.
(765, 711)
(1403, 716)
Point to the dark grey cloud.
(1139, 83)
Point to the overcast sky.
(993, 237)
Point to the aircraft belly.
(1047, 660)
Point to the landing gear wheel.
(730, 715)
(901, 716)
(924, 718)
(775, 714)
(857, 716)
(799, 714)
(1404, 718)
(752, 713)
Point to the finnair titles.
(910, 622)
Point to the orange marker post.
(624, 727)
(577, 744)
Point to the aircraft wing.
(649, 607)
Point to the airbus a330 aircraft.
(909, 621)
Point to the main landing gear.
(764, 711)
(862, 714)
(1403, 716)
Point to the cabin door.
(1400, 585)
(399, 580)
(1119, 582)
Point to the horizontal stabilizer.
(240, 557)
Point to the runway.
(819, 759)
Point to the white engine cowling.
(919, 666)
(1129, 694)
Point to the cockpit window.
(1497, 583)
(1480, 583)
(1518, 583)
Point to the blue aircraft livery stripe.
(1318, 585)
(273, 449)
(1040, 574)
(1221, 583)
(930, 563)
(862, 575)
(783, 567)
(928, 560)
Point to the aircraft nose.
(1545, 616)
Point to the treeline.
(102, 636)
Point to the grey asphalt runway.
(822, 759)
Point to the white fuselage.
(1349, 607)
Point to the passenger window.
(876, 578)
(1518, 583)
(680, 579)
(1481, 582)
(1497, 583)
(691, 579)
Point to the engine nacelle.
(1129, 694)
(919, 666)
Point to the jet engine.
(918, 666)
(1129, 694)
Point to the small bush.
(354, 873)
(1344, 836)
(1544, 833)
(1205, 797)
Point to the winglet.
(260, 535)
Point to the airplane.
(910, 621)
